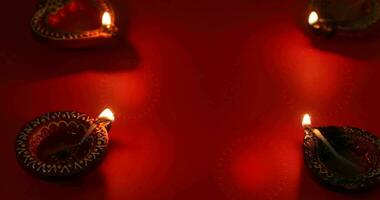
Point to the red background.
(208, 97)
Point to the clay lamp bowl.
(343, 17)
(74, 23)
(343, 159)
(59, 145)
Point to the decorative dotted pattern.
(46, 7)
(38, 129)
(326, 175)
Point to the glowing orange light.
(107, 114)
(306, 121)
(313, 18)
(106, 20)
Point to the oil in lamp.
(344, 159)
(59, 145)
(74, 23)
(342, 17)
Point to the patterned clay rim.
(31, 163)
(39, 27)
(327, 176)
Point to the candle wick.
(320, 136)
(91, 129)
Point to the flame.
(306, 121)
(106, 19)
(107, 114)
(313, 18)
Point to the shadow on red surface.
(31, 64)
(91, 186)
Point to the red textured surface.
(208, 97)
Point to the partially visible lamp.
(345, 159)
(74, 23)
(61, 145)
(342, 17)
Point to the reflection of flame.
(107, 114)
(306, 120)
(313, 18)
(106, 20)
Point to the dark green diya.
(356, 145)
(50, 146)
(345, 17)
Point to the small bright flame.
(313, 18)
(106, 20)
(306, 120)
(107, 114)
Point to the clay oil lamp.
(344, 159)
(74, 23)
(63, 144)
(342, 17)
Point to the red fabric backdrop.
(208, 96)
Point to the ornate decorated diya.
(74, 23)
(63, 144)
(343, 17)
(344, 159)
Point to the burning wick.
(306, 122)
(320, 24)
(313, 18)
(106, 20)
(105, 118)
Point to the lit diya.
(63, 144)
(74, 23)
(343, 17)
(342, 158)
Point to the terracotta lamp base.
(50, 146)
(74, 23)
(343, 17)
(358, 146)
